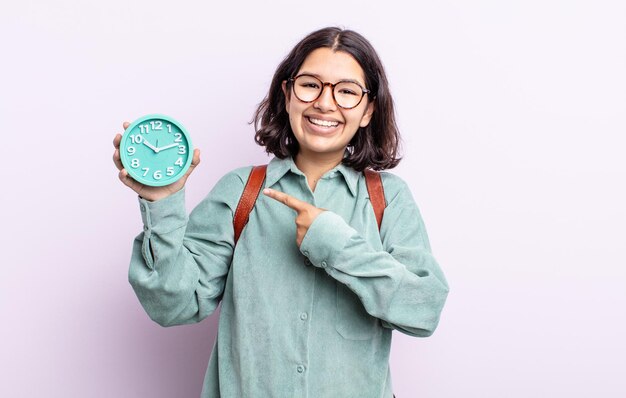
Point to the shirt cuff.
(326, 237)
(163, 215)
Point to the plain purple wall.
(513, 121)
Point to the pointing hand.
(306, 211)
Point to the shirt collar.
(277, 168)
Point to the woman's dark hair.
(374, 146)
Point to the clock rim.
(124, 157)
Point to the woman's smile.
(322, 122)
(322, 126)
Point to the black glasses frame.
(332, 90)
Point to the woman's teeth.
(323, 123)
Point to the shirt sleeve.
(179, 263)
(401, 285)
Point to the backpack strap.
(257, 177)
(248, 198)
(375, 189)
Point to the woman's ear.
(284, 87)
(367, 116)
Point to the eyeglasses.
(346, 93)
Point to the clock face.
(156, 150)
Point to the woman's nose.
(326, 102)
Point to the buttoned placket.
(303, 315)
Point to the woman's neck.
(315, 166)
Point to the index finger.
(285, 199)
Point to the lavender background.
(513, 117)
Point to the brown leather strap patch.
(377, 194)
(248, 198)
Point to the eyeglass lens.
(309, 88)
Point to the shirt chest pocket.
(351, 320)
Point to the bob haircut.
(374, 146)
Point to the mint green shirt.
(313, 321)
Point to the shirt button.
(307, 261)
(304, 316)
(145, 227)
(300, 368)
(143, 208)
(306, 253)
(324, 265)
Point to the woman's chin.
(322, 150)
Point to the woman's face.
(321, 127)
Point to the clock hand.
(168, 146)
(149, 145)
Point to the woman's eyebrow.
(340, 80)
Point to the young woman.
(312, 289)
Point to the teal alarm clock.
(156, 150)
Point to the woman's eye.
(348, 92)
(310, 85)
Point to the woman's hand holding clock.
(151, 193)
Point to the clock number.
(169, 128)
(145, 129)
(179, 162)
(182, 150)
(178, 137)
(145, 171)
(157, 175)
(131, 150)
(170, 171)
(136, 139)
(134, 163)
(157, 125)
